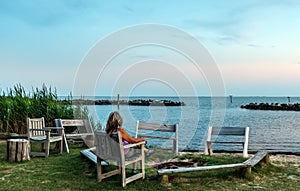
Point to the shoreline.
(274, 157)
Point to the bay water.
(275, 131)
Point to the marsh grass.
(71, 172)
(16, 105)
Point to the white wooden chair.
(112, 149)
(173, 128)
(37, 132)
(77, 130)
(242, 132)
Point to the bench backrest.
(77, 128)
(35, 126)
(108, 148)
(159, 127)
(74, 126)
(156, 127)
(228, 131)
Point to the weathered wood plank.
(134, 177)
(78, 134)
(237, 131)
(157, 126)
(72, 122)
(201, 168)
(157, 137)
(229, 142)
(259, 156)
(245, 167)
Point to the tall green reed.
(16, 105)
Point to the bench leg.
(165, 180)
(209, 148)
(266, 159)
(99, 170)
(245, 172)
(245, 151)
(175, 147)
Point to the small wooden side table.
(17, 150)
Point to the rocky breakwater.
(272, 106)
(138, 102)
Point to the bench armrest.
(54, 128)
(134, 144)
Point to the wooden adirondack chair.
(112, 149)
(37, 132)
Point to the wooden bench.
(159, 127)
(245, 167)
(227, 131)
(77, 130)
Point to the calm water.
(276, 131)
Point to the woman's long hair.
(113, 122)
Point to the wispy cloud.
(233, 24)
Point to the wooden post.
(175, 142)
(118, 101)
(246, 172)
(165, 180)
(17, 150)
(230, 98)
(266, 159)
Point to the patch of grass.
(68, 172)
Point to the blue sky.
(254, 43)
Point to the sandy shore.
(285, 158)
(273, 157)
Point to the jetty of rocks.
(272, 106)
(138, 102)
